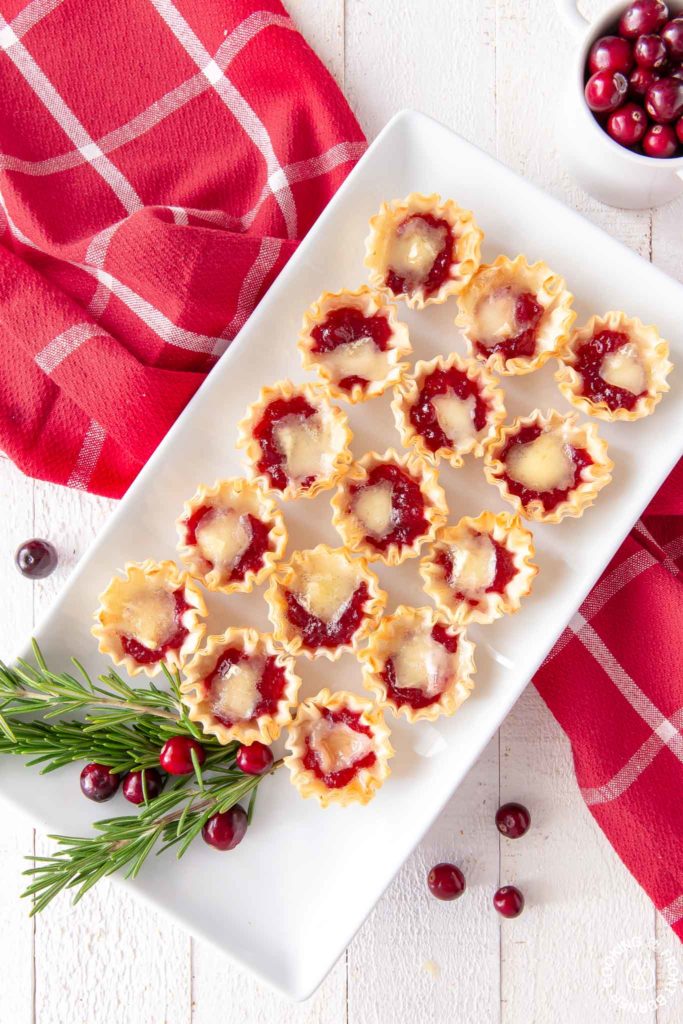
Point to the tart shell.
(381, 647)
(367, 781)
(265, 728)
(653, 352)
(507, 530)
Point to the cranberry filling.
(413, 696)
(147, 656)
(251, 559)
(423, 414)
(338, 631)
(528, 313)
(337, 780)
(272, 459)
(438, 272)
(549, 499)
(271, 685)
(407, 506)
(504, 573)
(344, 327)
(589, 359)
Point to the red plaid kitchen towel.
(159, 161)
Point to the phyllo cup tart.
(241, 687)
(296, 441)
(323, 602)
(339, 749)
(418, 664)
(480, 569)
(515, 315)
(231, 535)
(388, 506)
(355, 343)
(615, 368)
(150, 617)
(447, 408)
(548, 465)
(422, 249)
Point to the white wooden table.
(493, 70)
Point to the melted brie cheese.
(149, 617)
(543, 464)
(223, 537)
(623, 369)
(474, 564)
(236, 694)
(337, 745)
(423, 664)
(373, 506)
(412, 252)
(327, 595)
(305, 443)
(495, 317)
(455, 415)
(359, 358)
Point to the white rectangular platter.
(288, 900)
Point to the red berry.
(513, 820)
(650, 52)
(679, 129)
(641, 17)
(176, 755)
(446, 882)
(610, 53)
(226, 831)
(605, 90)
(627, 125)
(664, 100)
(36, 559)
(98, 783)
(133, 789)
(508, 901)
(660, 141)
(676, 72)
(640, 81)
(672, 34)
(254, 759)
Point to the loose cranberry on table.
(134, 790)
(605, 90)
(98, 783)
(672, 34)
(643, 16)
(176, 755)
(513, 820)
(640, 81)
(611, 53)
(628, 124)
(660, 141)
(226, 831)
(36, 559)
(446, 881)
(508, 901)
(664, 100)
(650, 51)
(255, 759)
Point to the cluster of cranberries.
(447, 882)
(635, 83)
(223, 831)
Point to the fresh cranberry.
(513, 820)
(36, 559)
(508, 901)
(650, 52)
(660, 141)
(446, 882)
(133, 788)
(254, 759)
(672, 34)
(176, 755)
(226, 831)
(679, 129)
(640, 81)
(605, 90)
(664, 99)
(677, 72)
(643, 16)
(98, 783)
(628, 124)
(610, 53)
